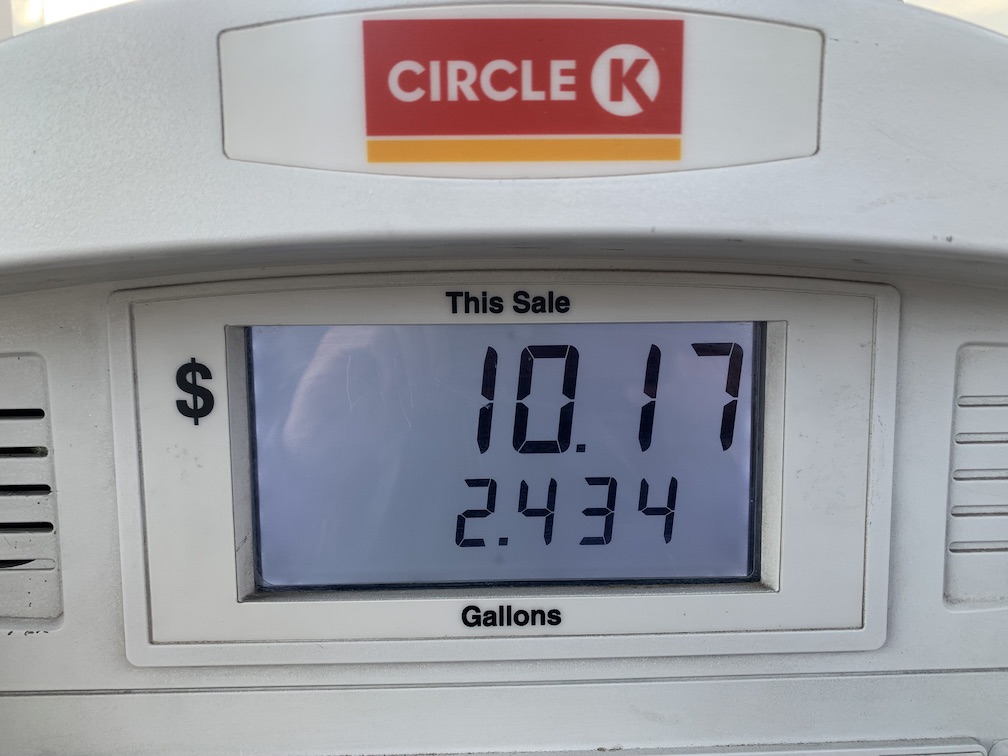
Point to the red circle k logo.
(625, 80)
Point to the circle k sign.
(495, 89)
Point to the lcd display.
(434, 455)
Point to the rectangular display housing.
(407, 456)
(817, 450)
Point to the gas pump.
(504, 378)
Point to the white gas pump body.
(838, 175)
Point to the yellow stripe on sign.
(522, 150)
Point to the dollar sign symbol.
(186, 377)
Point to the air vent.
(29, 547)
(976, 560)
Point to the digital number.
(569, 354)
(608, 511)
(486, 411)
(546, 513)
(668, 511)
(734, 354)
(529, 355)
(491, 486)
(651, 390)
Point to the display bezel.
(824, 481)
(241, 371)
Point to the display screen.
(388, 456)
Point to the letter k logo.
(625, 80)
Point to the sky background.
(29, 14)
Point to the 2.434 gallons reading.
(411, 455)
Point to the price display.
(448, 455)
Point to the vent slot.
(27, 564)
(22, 414)
(25, 490)
(23, 451)
(26, 527)
(976, 557)
(30, 586)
